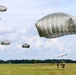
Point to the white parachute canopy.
(2, 8)
(56, 25)
(62, 55)
(5, 42)
(25, 45)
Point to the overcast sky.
(17, 25)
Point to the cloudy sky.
(17, 25)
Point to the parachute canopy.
(5, 42)
(2, 8)
(61, 55)
(25, 45)
(56, 25)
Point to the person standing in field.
(63, 64)
(58, 65)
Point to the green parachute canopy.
(56, 25)
(25, 45)
(2, 8)
(5, 42)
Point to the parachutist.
(58, 65)
(63, 65)
(5, 42)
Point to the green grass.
(36, 69)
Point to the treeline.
(38, 61)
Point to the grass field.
(36, 69)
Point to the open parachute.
(2, 8)
(25, 45)
(5, 42)
(62, 55)
(56, 25)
